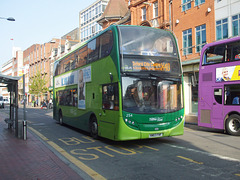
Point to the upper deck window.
(222, 53)
(148, 49)
(146, 41)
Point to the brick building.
(194, 25)
(153, 13)
(116, 12)
(38, 57)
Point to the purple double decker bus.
(219, 86)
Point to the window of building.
(103, 7)
(96, 10)
(144, 14)
(155, 9)
(200, 37)
(236, 25)
(187, 42)
(222, 29)
(186, 4)
(198, 2)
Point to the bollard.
(20, 130)
(24, 130)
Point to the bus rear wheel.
(233, 125)
(94, 127)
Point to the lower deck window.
(67, 97)
(232, 94)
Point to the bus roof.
(110, 27)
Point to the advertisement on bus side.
(230, 73)
(84, 75)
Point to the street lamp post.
(9, 18)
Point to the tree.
(38, 84)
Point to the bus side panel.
(107, 123)
(72, 117)
(204, 107)
(107, 119)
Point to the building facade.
(88, 26)
(227, 18)
(194, 25)
(7, 69)
(116, 12)
(38, 58)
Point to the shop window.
(194, 88)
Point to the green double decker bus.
(125, 83)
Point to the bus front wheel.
(94, 127)
(233, 125)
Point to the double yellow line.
(93, 174)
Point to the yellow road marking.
(237, 174)
(39, 134)
(191, 160)
(72, 159)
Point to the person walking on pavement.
(50, 103)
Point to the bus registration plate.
(155, 135)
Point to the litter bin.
(20, 129)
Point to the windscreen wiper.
(139, 75)
(163, 77)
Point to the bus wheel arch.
(60, 117)
(93, 126)
(232, 124)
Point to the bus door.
(217, 106)
(110, 109)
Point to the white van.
(6, 100)
(1, 102)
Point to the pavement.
(29, 159)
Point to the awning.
(8, 79)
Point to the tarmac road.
(199, 153)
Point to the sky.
(37, 22)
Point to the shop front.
(190, 76)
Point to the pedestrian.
(50, 103)
(44, 105)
